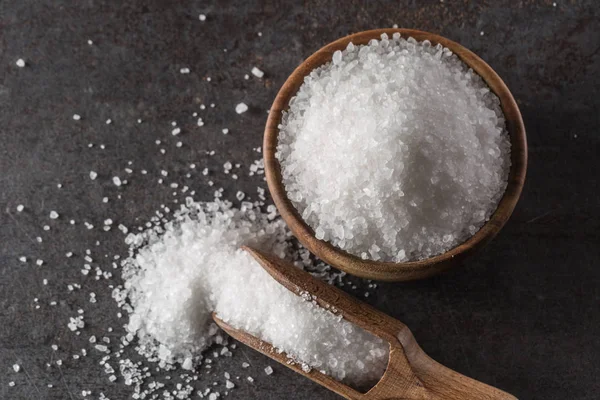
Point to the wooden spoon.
(410, 374)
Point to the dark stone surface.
(523, 315)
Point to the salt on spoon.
(410, 373)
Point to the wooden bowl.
(390, 271)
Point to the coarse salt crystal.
(241, 108)
(257, 72)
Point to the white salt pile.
(395, 150)
(177, 275)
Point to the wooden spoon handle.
(441, 382)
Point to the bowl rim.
(384, 270)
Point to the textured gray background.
(522, 315)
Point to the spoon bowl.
(396, 271)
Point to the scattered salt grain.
(16, 367)
(202, 17)
(116, 180)
(268, 370)
(184, 70)
(76, 117)
(20, 208)
(20, 63)
(257, 72)
(241, 108)
(53, 215)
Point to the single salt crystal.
(101, 348)
(229, 384)
(225, 131)
(200, 122)
(90, 42)
(76, 117)
(401, 167)
(20, 208)
(184, 70)
(337, 57)
(108, 121)
(53, 215)
(11, 383)
(257, 72)
(20, 63)
(241, 108)
(187, 364)
(116, 180)
(176, 131)
(245, 365)
(16, 367)
(23, 259)
(268, 370)
(240, 195)
(202, 17)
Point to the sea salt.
(20, 63)
(241, 108)
(416, 155)
(257, 72)
(179, 274)
(53, 214)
